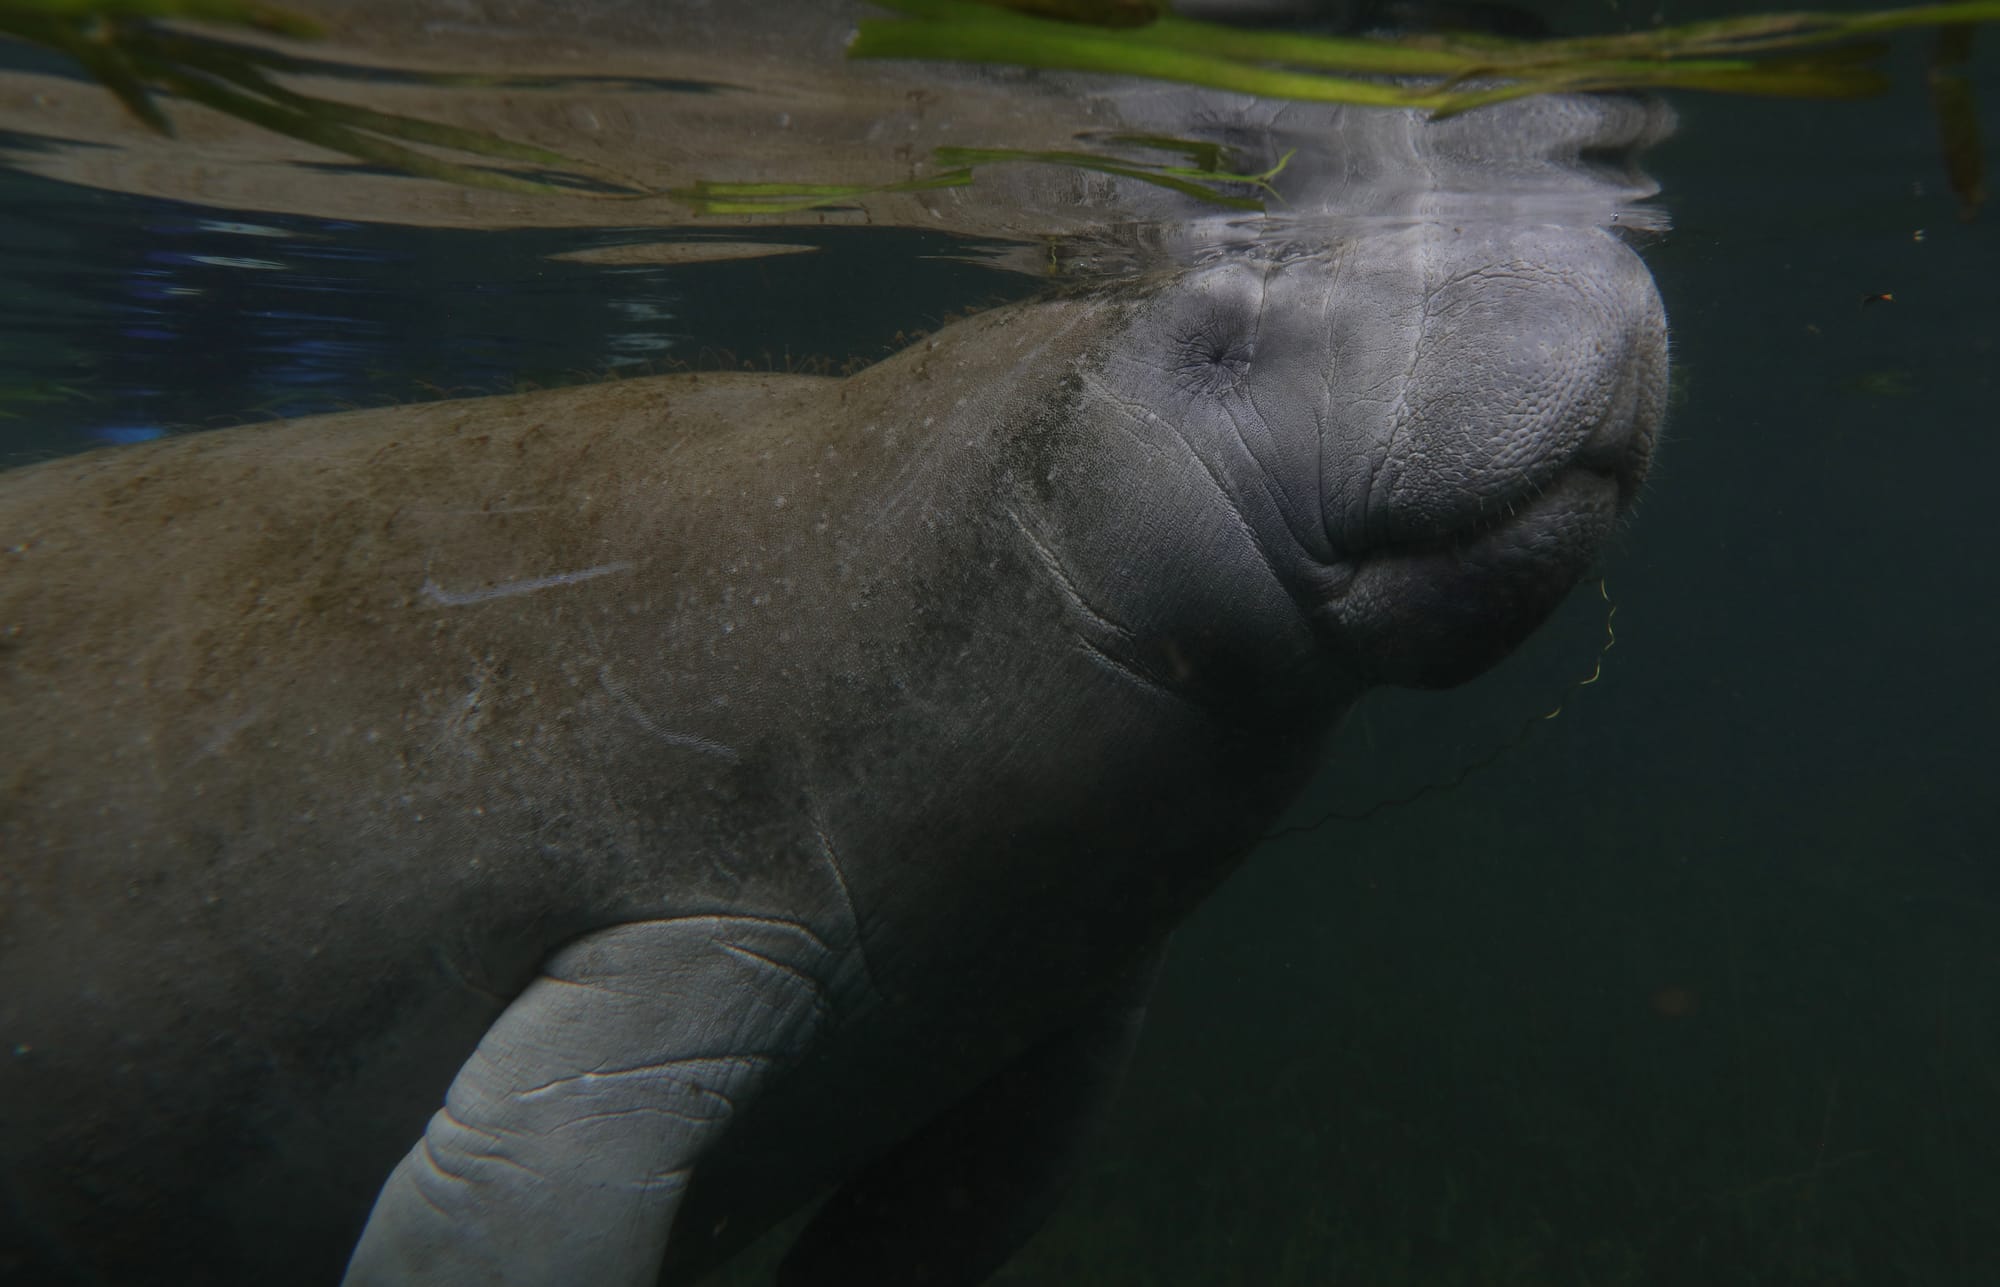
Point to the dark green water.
(1697, 983)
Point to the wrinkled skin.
(1431, 432)
(715, 790)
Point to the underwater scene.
(1246, 642)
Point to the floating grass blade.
(1957, 118)
(229, 63)
(1200, 182)
(1205, 180)
(1206, 156)
(110, 65)
(312, 128)
(1354, 56)
(979, 35)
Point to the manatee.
(551, 839)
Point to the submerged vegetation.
(125, 47)
(1791, 55)
(1760, 54)
(1204, 177)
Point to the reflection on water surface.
(136, 316)
(348, 284)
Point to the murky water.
(1693, 982)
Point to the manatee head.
(1432, 423)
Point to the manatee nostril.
(1211, 357)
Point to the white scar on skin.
(686, 740)
(506, 589)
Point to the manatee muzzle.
(1514, 459)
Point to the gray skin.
(719, 790)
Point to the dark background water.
(1696, 983)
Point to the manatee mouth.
(1430, 613)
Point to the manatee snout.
(1521, 435)
(1430, 430)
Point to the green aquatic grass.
(1789, 55)
(119, 44)
(1759, 55)
(1205, 180)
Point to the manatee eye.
(1211, 356)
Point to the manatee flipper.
(567, 1139)
(949, 1204)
